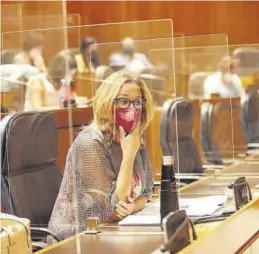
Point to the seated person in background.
(32, 52)
(87, 60)
(117, 62)
(107, 173)
(134, 62)
(225, 82)
(43, 90)
(14, 72)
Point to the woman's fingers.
(122, 133)
(118, 216)
(122, 209)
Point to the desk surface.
(119, 239)
(218, 184)
(115, 239)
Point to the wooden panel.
(8, 22)
(85, 85)
(41, 15)
(67, 130)
(190, 18)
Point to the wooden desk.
(218, 184)
(118, 239)
(128, 240)
(230, 236)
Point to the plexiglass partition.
(119, 47)
(83, 177)
(83, 89)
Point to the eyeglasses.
(125, 103)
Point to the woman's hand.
(125, 208)
(130, 144)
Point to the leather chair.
(196, 85)
(30, 175)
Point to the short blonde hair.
(104, 101)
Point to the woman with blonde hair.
(108, 173)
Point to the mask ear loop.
(114, 124)
(142, 141)
(142, 136)
(112, 136)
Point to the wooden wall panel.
(190, 18)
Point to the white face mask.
(68, 80)
(228, 77)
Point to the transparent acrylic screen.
(73, 118)
(175, 64)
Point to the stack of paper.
(195, 207)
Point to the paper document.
(195, 207)
(141, 220)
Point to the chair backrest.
(176, 135)
(164, 125)
(8, 55)
(180, 137)
(196, 85)
(29, 165)
(250, 116)
(102, 72)
(249, 60)
(210, 149)
(226, 130)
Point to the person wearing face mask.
(108, 164)
(44, 90)
(32, 52)
(87, 60)
(226, 83)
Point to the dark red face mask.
(128, 118)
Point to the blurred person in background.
(225, 83)
(87, 60)
(43, 90)
(117, 62)
(32, 52)
(134, 62)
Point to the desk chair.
(8, 55)
(221, 132)
(209, 147)
(176, 136)
(196, 85)
(249, 115)
(249, 60)
(30, 175)
(102, 72)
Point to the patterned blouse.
(89, 181)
